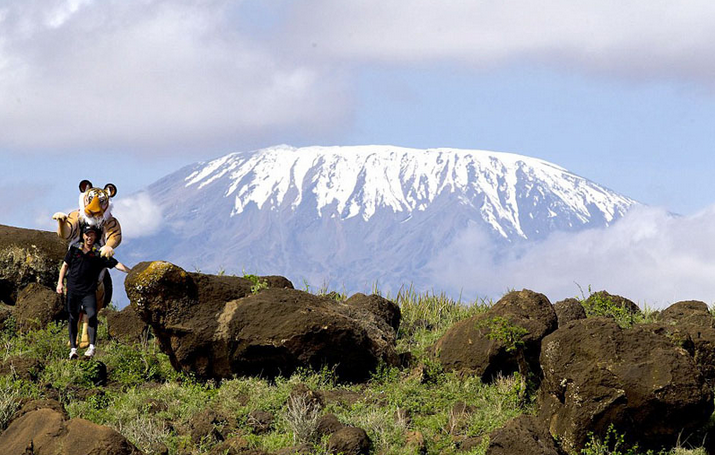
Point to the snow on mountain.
(353, 216)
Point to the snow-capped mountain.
(353, 216)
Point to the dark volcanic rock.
(215, 327)
(126, 326)
(467, 345)
(327, 425)
(37, 306)
(384, 309)
(28, 256)
(47, 432)
(25, 368)
(569, 310)
(597, 374)
(688, 312)
(349, 441)
(525, 435)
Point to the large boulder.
(597, 374)
(525, 435)
(28, 256)
(37, 306)
(215, 327)
(45, 431)
(490, 343)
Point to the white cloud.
(138, 215)
(649, 256)
(153, 75)
(636, 38)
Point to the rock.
(687, 312)
(37, 306)
(260, 422)
(597, 374)
(327, 425)
(524, 435)
(384, 309)
(204, 427)
(47, 432)
(215, 327)
(696, 338)
(126, 326)
(28, 256)
(467, 345)
(236, 445)
(25, 368)
(34, 405)
(349, 441)
(569, 310)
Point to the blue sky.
(621, 92)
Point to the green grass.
(153, 405)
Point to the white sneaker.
(73, 354)
(90, 351)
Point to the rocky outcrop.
(28, 256)
(490, 343)
(525, 435)
(597, 374)
(216, 327)
(45, 431)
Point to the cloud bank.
(155, 75)
(138, 215)
(649, 256)
(165, 76)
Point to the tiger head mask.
(94, 203)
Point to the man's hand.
(106, 251)
(59, 216)
(60, 288)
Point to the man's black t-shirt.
(84, 268)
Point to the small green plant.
(612, 444)
(258, 284)
(502, 329)
(600, 304)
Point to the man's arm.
(61, 281)
(123, 268)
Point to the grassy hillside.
(415, 409)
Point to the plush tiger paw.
(106, 251)
(59, 216)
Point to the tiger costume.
(95, 209)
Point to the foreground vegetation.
(404, 410)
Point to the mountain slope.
(352, 216)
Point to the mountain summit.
(352, 216)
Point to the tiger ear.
(84, 185)
(111, 189)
